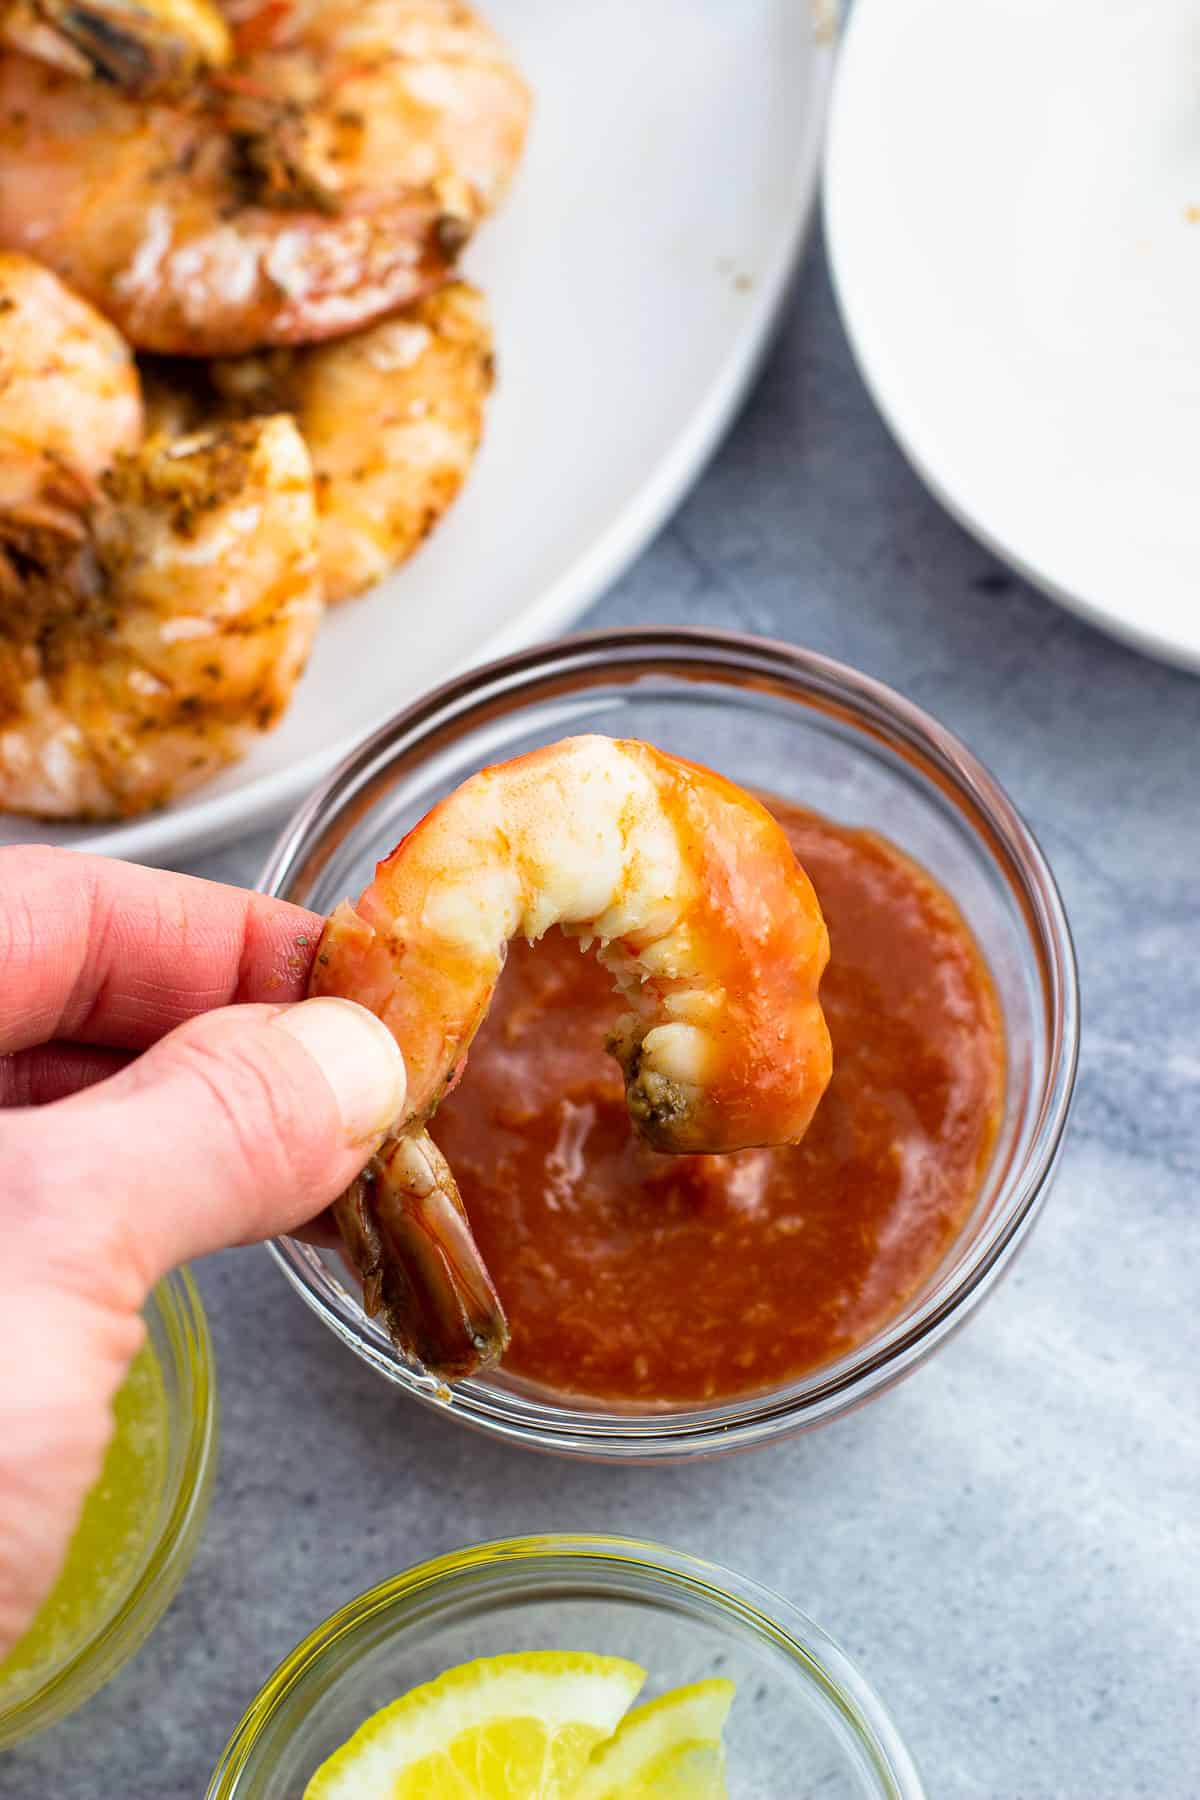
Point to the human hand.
(161, 1095)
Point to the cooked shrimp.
(321, 182)
(69, 403)
(159, 650)
(141, 46)
(698, 909)
(391, 415)
(151, 212)
(23, 27)
(377, 92)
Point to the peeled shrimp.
(391, 415)
(141, 46)
(69, 403)
(173, 638)
(157, 601)
(419, 92)
(327, 177)
(693, 898)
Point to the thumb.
(242, 1123)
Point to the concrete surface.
(1009, 1542)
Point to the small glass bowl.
(788, 722)
(803, 1718)
(178, 1333)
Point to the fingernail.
(359, 1058)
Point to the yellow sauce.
(112, 1538)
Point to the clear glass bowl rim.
(109, 1647)
(877, 712)
(819, 1658)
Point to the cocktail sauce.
(632, 1276)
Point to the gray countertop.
(1008, 1542)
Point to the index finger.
(103, 952)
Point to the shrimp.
(392, 417)
(69, 404)
(377, 91)
(157, 600)
(320, 182)
(174, 637)
(141, 46)
(698, 909)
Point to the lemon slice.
(670, 1749)
(515, 1727)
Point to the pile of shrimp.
(240, 378)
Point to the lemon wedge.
(518, 1727)
(670, 1749)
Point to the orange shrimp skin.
(125, 202)
(763, 932)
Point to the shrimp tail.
(405, 1227)
(140, 48)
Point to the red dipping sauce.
(632, 1276)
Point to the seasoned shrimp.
(392, 417)
(698, 909)
(157, 601)
(69, 403)
(141, 46)
(377, 92)
(134, 668)
(322, 181)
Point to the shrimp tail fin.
(405, 1227)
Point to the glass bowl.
(178, 1332)
(784, 721)
(804, 1721)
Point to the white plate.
(1012, 200)
(634, 276)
